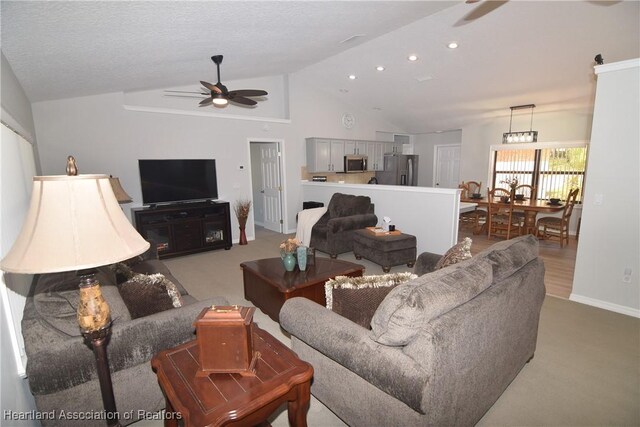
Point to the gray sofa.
(442, 348)
(61, 368)
(333, 233)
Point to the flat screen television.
(168, 181)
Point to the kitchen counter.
(430, 214)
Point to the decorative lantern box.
(225, 340)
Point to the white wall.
(430, 214)
(552, 126)
(424, 146)
(16, 112)
(107, 138)
(610, 231)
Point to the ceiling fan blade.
(483, 9)
(187, 91)
(206, 102)
(183, 95)
(212, 88)
(248, 92)
(242, 100)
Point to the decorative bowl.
(519, 196)
(476, 196)
(554, 201)
(504, 199)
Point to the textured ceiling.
(62, 49)
(519, 52)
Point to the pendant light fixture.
(521, 136)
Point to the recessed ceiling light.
(380, 68)
(453, 45)
(343, 90)
(352, 76)
(412, 58)
(377, 108)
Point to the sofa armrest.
(71, 362)
(426, 263)
(353, 222)
(350, 345)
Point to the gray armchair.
(333, 233)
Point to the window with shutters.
(554, 169)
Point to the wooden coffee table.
(234, 399)
(267, 285)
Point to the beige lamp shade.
(121, 195)
(73, 223)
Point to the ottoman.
(385, 250)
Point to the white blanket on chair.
(306, 220)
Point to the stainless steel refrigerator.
(399, 169)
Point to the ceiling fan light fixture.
(380, 68)
(352, 77)
(412, 58)
(453, 45)
(220, 100)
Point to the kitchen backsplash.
(348, 178)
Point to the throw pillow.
(146, 294)
(357, 298)
(409, 308)
(457, 253)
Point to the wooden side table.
(234, 399)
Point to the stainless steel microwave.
(355, 164)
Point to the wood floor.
(559, 263)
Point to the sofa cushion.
(458, 252)
(56, 296)
(357, 298)
(347, 205)
(148, 294)
(409, 307)
(509, 256)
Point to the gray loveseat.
(442, 349)
(61, 368)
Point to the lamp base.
(98, 340)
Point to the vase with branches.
(242, 207)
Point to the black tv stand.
(185, 228)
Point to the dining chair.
(477, 217)
(473, 187)
(500, 219)
(529, 192)
(558, 227)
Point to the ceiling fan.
(220, 96)
(489, 6)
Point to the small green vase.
(289, 261)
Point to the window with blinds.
(554, 171)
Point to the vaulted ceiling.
(510, 52)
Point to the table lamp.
(121, 195)
(74, 223)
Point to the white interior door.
(272, 189)
(447, 166)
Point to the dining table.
(530, 207)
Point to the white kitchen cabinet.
(325, 155)
(355, 147)
(375, 154)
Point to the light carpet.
(586, 369)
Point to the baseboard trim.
(605, 305)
